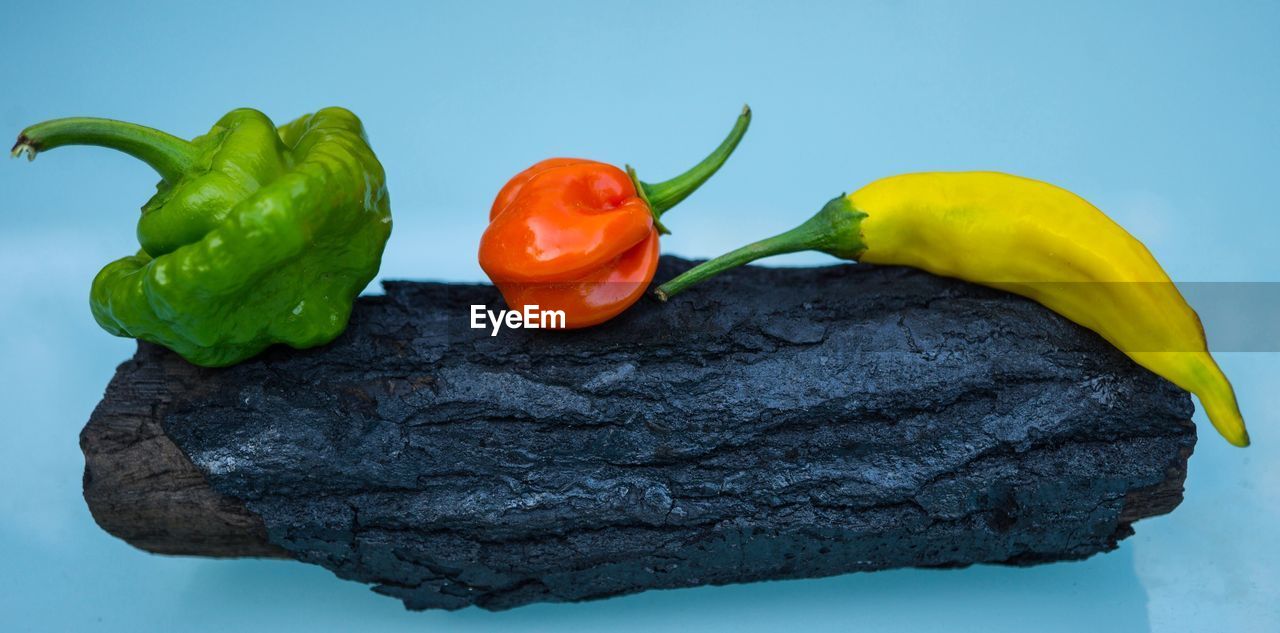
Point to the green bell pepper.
(255, 236)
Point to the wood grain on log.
(772, 423)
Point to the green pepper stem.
(835, 230)
(169, 155)
(668, 193)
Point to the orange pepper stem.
(668, 193)
(657, 217)
(835, 230)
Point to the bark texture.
(772, 423)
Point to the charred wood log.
(773, 423)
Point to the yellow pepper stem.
(833, 230)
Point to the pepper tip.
(661, 295)
(23, 146)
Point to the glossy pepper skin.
(256, 234)
(1026, 237)
(581, 236)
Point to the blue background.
(1164, 115)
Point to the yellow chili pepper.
(1026, 237)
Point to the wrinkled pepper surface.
(580, 236)
(1023, 236)
(256, 234)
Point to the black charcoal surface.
(768, 424)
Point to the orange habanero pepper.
(582, 236)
